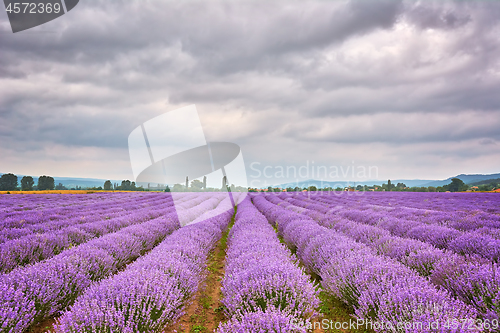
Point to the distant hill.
(468, 179)
(486, 182)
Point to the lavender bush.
(152, 291)
(45, 288)
(263, 288)
(471, 279)
(375, 287)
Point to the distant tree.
(312, 188)
(8, 182)
(27, 183)
(296, 189)
(389, 186)
(205, 182)
(60, 187)
(187, 182)
(178, 188)
(133, 187)
(431, 189)
(46, 183)
(485, 187)
(196, 184)
(359, 188)
(125, 186)
(167, 189)
(456, 185)
(107, 185)
(289, 189)
(338, 188)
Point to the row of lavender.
(446, 202)
(53, 207)
(479, 242)
(470, 279)
(460, 212)
(462, 216)
(30, 294)
(11, 204)
(377, 288)
(153, 291)
(263, 288)
(68, 213)
(37, 247)
(453, 228)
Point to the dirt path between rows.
(333, 315)
(46, 326)
(206, 311)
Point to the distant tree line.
(456, 185)
(9, 182)
(126, 185)
(201, 186)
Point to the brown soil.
(206, 311)
(331, 309)
(45, 326)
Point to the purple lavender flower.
(263, 288)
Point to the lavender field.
(137, 262)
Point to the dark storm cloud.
(282, 74)
(432, 15)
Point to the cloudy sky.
(409, 87)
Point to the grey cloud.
(400, 129)
(273, 75)
(432, 15)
